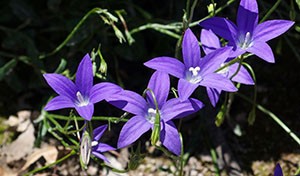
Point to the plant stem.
(271, 11)
(112, 119)
(274, 117)
(52, 164)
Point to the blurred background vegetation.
(32, 42)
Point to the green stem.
(75, 29)
(216, 12)
(181, 156)
(104, 118)
(273, 116)
(270, 11)
(52, 164)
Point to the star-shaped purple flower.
(97, 147)
(210, 42)
(82, 95)
(145, 112)
(195, 71)
(248, 35)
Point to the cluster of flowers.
(215, 71)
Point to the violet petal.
(262, 50)
(170, 138)
(168, 65)
(132, 130)
(98, 132)
(84, 76)
(190, 49)
(159, 83)
(210, 42)
(247, 17)
(222, 27)
(85, 112)
(271, 29)
(103, 90)
(185, 89)
(59, 102)
(175, 108)
(61, 85)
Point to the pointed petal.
(175, 108)
(61, 85)
(132, 130)
(100, 156)
(262, 50)
(160, 85)
(247, 17)
(168, 65)
(218, 81)
(190, 49)
(101, 147)
(212, 61)
(103, 90)
(222, 27)
(84, 76)
(170, 138)
(213, 95)
(243, 75)
(59, 102)
(210, 42)
(86, 112)
(129, 101)
(98, 132)
(271, 29)
(185, 89)
(278, 170)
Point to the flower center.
(224, 71)
(193, 75)
(151, 115)
(94, 143)
(245, 41)
(81, 101)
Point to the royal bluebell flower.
(248, 35)
(144, 110)
(210, 42)
(195, 71)
(278, 170)
(82, 95)
(97, 147)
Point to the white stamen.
(81, 101)
(94, 143)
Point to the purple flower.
(97, 147)
(82, 95)
(195, 71)
(278, 170)
(248, 35)
(210, 42)
(145, 112)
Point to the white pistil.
(151, 115)
(245, 41)
(81, 101)
(193, 75)
(94, 143)
(225, 70)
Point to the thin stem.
(274, 117)
(104, 118)
(239, 67)
(73, 152)
(181, 156)
(216, 12)
(271, 11)
(75, 29)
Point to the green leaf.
(298, 3)
(4, 70)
